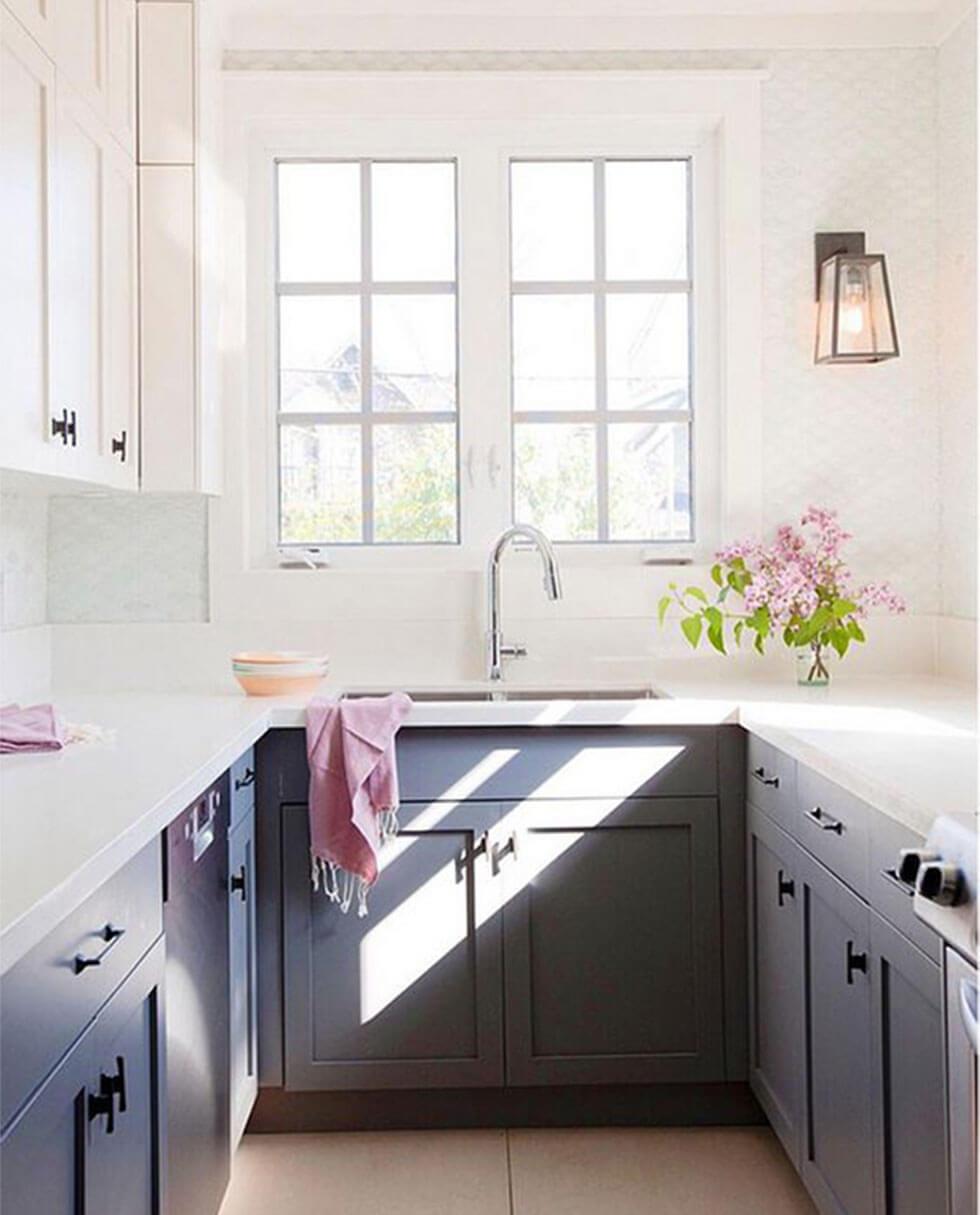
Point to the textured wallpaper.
(23, 560)
(958, 320)
(128, 557)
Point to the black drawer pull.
(786, 888)
(499, 851)
(239, 884)
(760, 775)
(117, 1084)
(103, 1104)
(855, 961)
(466, 855)
(119, 446)
(892, 876)
(825, 821)
(247, 778)
(111, 936)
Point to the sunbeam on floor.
(643, 1171)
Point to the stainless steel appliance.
(945, 877)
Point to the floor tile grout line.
(510, 1173)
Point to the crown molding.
(460, 35)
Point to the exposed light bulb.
(854, 304)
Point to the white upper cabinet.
(121, 78)
(166, 81)
(38, 18)
(26, 141)
(80, 48)
(120, 421)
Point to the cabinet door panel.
(120, 433)
(242, 973)
(76, 281)
(38, 17)
(123, 1169)
(409, 996)
(909, 1105)
(604, 898)
(26, 162)
(838, 1158)
(81, 48)
(775, 978)
(122, 72)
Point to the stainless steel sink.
(484, 695)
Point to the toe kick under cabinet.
(550, 914)
(846, 1037)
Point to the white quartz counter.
(68, 820)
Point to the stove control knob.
(939, 883)
(911, 860)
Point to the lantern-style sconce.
(855, 318)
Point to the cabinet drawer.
(833, 825)
(49, 996)
(770, 780)
(242, 786)
(890, 897)
(491, 765)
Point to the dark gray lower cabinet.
(409, 996)
(908, 1075)
(775, 979)
(242, 973)
(612, 940)
(838, 1156)
(89, 1139)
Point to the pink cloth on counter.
(35, 728)
(350, 745)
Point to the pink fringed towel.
(350, 745)
(35, 728)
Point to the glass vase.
(812, 670)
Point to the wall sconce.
(855, 318)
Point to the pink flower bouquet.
(798, 586)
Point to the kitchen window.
(367, 340)
(601, 308)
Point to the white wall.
(23, 561)
(957, 309)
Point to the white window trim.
(714, 117)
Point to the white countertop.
(68, 820)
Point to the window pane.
(319, 223)
(415, 483)
(413, 216)
(554, 352)
(319, 353)
(647, 351)
(414, 352)
(646, 219)
(649, 481)
(552, 234)
(320, 484)
(555, 478)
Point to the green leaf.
(716, 635)
(840, 640)
(696, 593)
(717, 577)
(759, 643)
(662, 608)
(739, 630)
(842, 608)
(691, 627)
(855, 630)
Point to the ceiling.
(576, 8)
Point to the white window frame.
(713, 118)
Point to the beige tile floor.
(733, 1171)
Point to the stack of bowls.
(279, 672)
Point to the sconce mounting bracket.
(826, 244)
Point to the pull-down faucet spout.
(496, 650)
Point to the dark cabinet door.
(908, 1083)
(838, 1157)
(242, 975)
(123, 1166)
(775, 978)
(90, 1138)
(410, 995)
(612, 940)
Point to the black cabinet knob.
(786, 888)
(119, 446)
(856, 962)
(247, 778)
(239, 884)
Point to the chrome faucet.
(496, 650)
